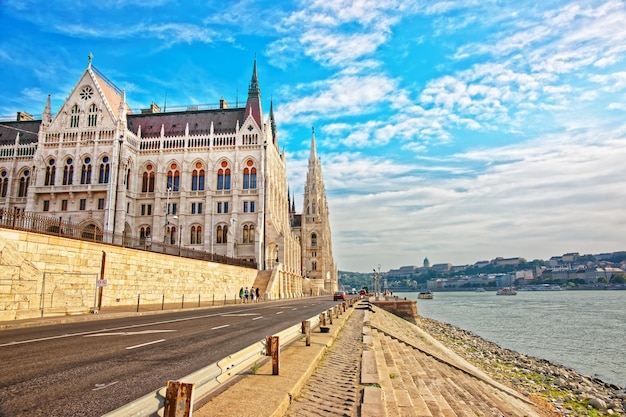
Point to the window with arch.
(196, 235)
(24, 182)
(313, 266)
(197, 178)
(50, 173)
(4, 184)
(313, 239)
(222, 232)
(74, 116)
(128, 172)
(171, 235)
(147, 180)
(68, 172)
(85, 173)
(249, 176)
(173, 178)
(248, 233)
(223, 177)
(144, 232)
(105, 171)
(92, 118)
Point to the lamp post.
(167, 211)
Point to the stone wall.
(49, 275)
(406, 309)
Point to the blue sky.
(454, 130)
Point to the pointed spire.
(253, 89)
(47, 112)
(90, 57)
(272, 120)
(313, 156)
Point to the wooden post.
(306, 329)
(275, 356)
(178, 399)
(268, 345)
(330, 316)
(323, 319)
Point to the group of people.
(252, 294)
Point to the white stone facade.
(219, 171)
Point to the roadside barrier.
(207, 379)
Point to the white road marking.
(129, 333)
(256, 318)
(239, 315)
(220, 327)
(279, 312)
(103, 386)
(145, 344)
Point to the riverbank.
(564, 390)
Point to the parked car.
(362, 292)
(340, 295)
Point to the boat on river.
(506, 291)
(425, 295)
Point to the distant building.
(507, 261)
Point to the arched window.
(171, 233)
(147, 180)
(248, 233)
(196, 235)
(313, 239)
(223, 177)
(85, 173)
(222, 232)
(74, 116)
(128, 172)
(249, 176)
(197, 178)
(314, 266)
(93, 115)
(4, 184)
(24, 182)
(173, 178)
(68, 172)
(105, 170)
(144, 235)
(50, 173)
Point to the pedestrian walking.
(257, 294)
(252, 294)
(241, 295)
(246, 294)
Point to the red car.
(340, 295)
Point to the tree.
(618, 279)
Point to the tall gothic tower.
(317, 247)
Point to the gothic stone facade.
(212, 180)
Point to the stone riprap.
(564, 390)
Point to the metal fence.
(37, 223)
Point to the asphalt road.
(89, 368)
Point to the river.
(582, 330)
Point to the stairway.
(420, 377)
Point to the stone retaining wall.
(49, 275)
(406, 309)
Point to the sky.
(457, 131)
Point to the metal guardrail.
(207, 379)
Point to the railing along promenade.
(36, 223)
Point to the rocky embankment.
(563, 390)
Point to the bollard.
(330, 316)
(138, 297)
(323, 319)
(268, 345)
(275, 356)
(306, 329)
(178, 399)
(162, 301)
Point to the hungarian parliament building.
(211, 180)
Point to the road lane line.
(103, 386)
(145, 344)
(220, 327)
(280, 312)
(256, 318)
(129, 333)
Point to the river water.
(582, 330)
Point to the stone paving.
(333, 388)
